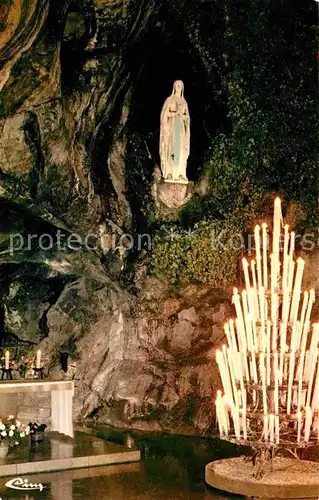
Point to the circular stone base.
(289, 479)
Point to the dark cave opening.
(155, 61)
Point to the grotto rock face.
(81, 90)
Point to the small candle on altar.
(7, 360)
(265, 263)
(38, 359)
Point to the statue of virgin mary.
(175, 135)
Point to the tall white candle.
(290, 380)
(7, 360)
(246, 273)
(274, 310)
(297, 290)
(263, 380)
(268, 349)
(303, 315)
(227, 333)
(244, 423)
(218, 415)
(291, 274)
(38, 359)
(276, 380)
(312, 363)
(315, 397)
(224, 374)
(229, 353)
(236, 302)
(253, 273)
(283, 333)
(266, 427)
(248, 325)
(265, 263)
(299, 425)
(273, 279)
(232, 334)
(277, 429)
(272, 427)
(312, 297)
(286, 258)
(276, 234)
(258, 255)
(308, 423)
(262, 315)
(292, 245)
(235, 415)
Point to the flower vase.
(4, 449)
(37, 436)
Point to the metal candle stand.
(6, 373)
(38, 371)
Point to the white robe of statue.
(175, 135)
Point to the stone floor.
(58, 452)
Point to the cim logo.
(23, 485)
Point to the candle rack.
(270, 366)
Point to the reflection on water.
(172, 468)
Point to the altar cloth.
(61, 399)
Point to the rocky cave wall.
(82, 84)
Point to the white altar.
(61, 399)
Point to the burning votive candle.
(7, 360)
(38, 359)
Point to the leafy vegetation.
(270, 82)
(206, 254)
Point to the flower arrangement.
(12, 431)
(24, 365)
(36, 427)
